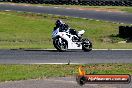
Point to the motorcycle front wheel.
(86, 45)
(60, 46)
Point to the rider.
(65, 27)
(61, 25)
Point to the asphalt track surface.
(52, 56)
(63, 82)
(100, 15)
(72, 57)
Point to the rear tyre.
(60, 46)
(86, 45)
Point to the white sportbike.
(64, 40)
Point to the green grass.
(30, 30)
(24, 32)
(23, 72)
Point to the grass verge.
(30, 30)
(23, 72)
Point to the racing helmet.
(58, 23)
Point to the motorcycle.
(65, 40)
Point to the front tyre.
(60, 45)
(86, 45)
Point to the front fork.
(60, 40)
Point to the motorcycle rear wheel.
(86, 45)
